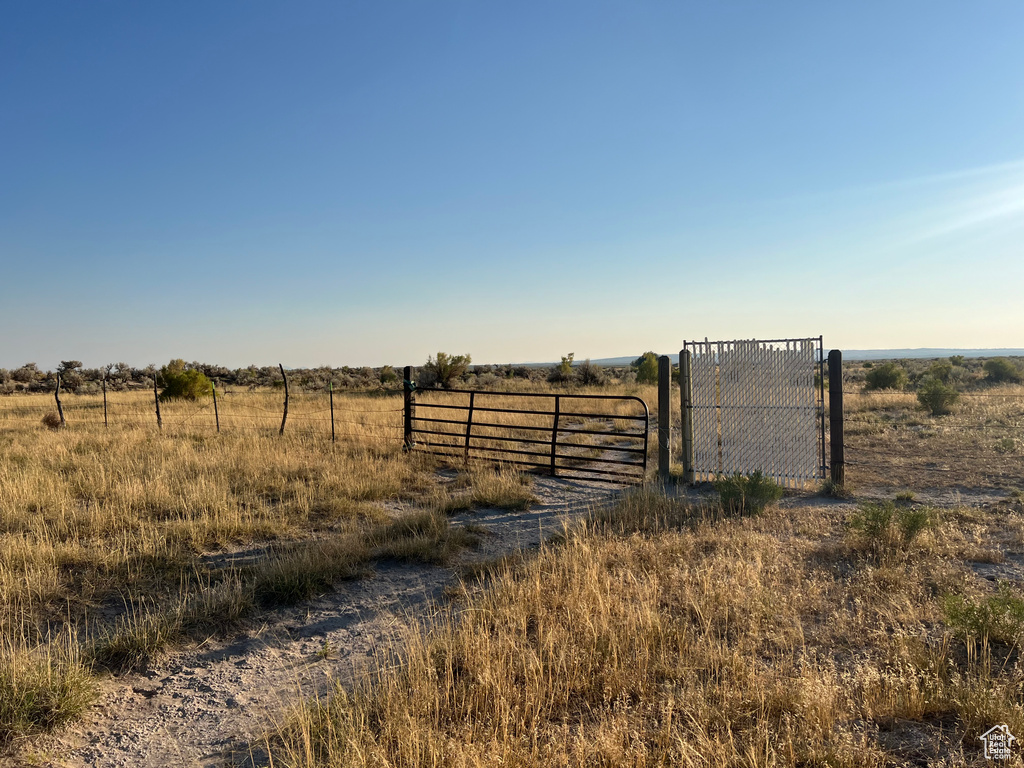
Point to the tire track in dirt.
(204, 705)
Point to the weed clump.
(887, 528)
(40, 691)
(834, 490)
(51, 421)
(750, 494)
(998, 618)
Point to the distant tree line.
(183, 379)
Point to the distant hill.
(891, 354)
(848, 354)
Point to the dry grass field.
(894, 443)
(662, 632)
(114, 540)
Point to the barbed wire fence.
(324, 415)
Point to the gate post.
(410, 407)
(686, 411)
(835, 416)
(664, 417)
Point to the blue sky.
(368, 183)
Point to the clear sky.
(371, 182)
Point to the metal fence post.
(410, 407)
(664, 417)
(554, 434)
(686, 411)
(469, 424)
(835, 416)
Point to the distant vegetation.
(646, 368)
(1001, 370)
(190, 380)
(905, 374)
(181, 381)
(886, 376)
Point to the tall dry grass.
(113, 533)
(661, 635)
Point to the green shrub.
(887, 528)
(1000, 371)
(646, 368)
(886, 376)
(443, 370)
(957, 360)
(751, 494)
(388, 375)
(183, 382)
(941, 371)
(937, 397)
(998, 618)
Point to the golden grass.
(766, 641)
(107, 532)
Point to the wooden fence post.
(156, 399)
(410, 407)
(686, 411)
(331, 384)
(60, 408)
(284, 416)
(216, 413)
(835, 417)
(664, 417)
(104, 400)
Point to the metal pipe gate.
(592, 437)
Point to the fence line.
(232, 414)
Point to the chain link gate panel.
(754, 405)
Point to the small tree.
(887, 376)
(444, 369)
(562, 373)
(70, 378)
(388, 375)
(181, 381)
(1000, 371)
(26, 374)
(936, 396)
(646, 367)
(957, 360)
